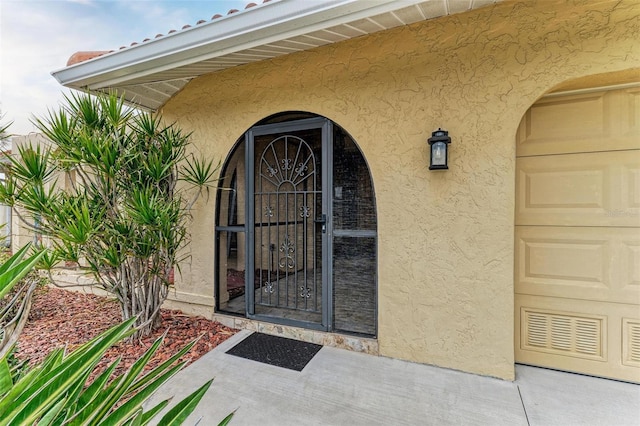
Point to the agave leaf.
(25, 382)
(12, 276)
(5, 377)
(125, 382)
(150, 376)
(136, 420)
(98, 384)
(14, 259)
(93, 396)
(227, 419)
(84, 416)
(178, 414)
(50, 387)
(52, 360)
(129, 408)
(48, 418)
(150, 414)
(76, 389)
(12, 329)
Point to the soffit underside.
(154, 90)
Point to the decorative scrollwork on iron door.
(287, 249)
(287, 194)
(287, 151)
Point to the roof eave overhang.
(269, 22)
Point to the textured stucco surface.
(445, 238)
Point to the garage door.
(577, 236)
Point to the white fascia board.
(269, 22)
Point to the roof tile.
(85, 56)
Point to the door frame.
(326, 128)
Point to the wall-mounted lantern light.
(439, 147)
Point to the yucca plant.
(58, 390)
(122, 214)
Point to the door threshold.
(335, 340)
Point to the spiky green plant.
(15, 304)
(4, 128)
(58, 390)
(123, 214)
(3, 131)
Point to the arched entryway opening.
(296, 228)
(577, 230)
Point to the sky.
(38, 37)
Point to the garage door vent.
(564, 333)
(631, 342)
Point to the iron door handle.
(323, 222)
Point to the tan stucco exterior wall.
(445, 238)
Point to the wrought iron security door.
(289, 226)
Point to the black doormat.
(275, 350)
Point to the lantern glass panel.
(439, 154)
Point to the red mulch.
(61, 318)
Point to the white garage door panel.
(601, 121)
(592, 263)
(592, 189)
(575, 335)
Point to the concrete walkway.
(339, 387)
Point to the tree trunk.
(144, 293)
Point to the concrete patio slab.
(558, 398)
(340, 387)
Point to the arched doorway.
(296, 228)
(577, 233)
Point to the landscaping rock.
(60, 318)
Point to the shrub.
(123, 214)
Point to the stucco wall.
(445, 238)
